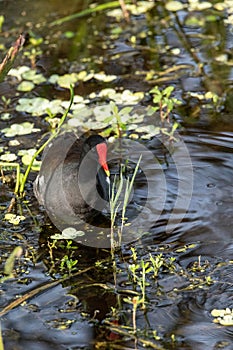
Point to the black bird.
(73, 182)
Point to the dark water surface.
(196, 185)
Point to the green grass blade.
(1, 340)
(88, 11)
(128, 190)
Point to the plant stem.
(128, 190)
(88, 11)
(17, 166)
(1, 340)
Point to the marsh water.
(195, 222)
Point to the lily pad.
(132, 97)
(148, 131)
(84, 76)
(18, 72)
(13, 143)
(104, 77)
(5, 116)
(116, 13)
(109, 92)
(126, 97)
(174, 6)
(141, 7)
(68, 233)
(26, 86)
(223, 316)
(103, 111)
(32, 75)
(136, 9)
(26, 160)
(82, 112)
(8, 157)
(39, 105)
(66, 80)
(27, 155)
(78, 99)
(14, 219)
(20, 129)
(200, 6)
(23, 152)
(53, 79)
(26, 73)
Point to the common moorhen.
(73, 182)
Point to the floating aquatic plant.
(8, 157)
(14, 219)
(38, 106)
(20, 129)
(27, 156)
(223, 316)
(26, 86)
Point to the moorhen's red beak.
(101, 149)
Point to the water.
(192, 196)
(208, 225)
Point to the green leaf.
(102, 111)
(157, 98)
(84, 76)
(155, 90)
(69, 233)
(109, 119)
(17, 72)
(108, 92)
(33, 76)
(9, 265)
(69, 34)
(67, 80)
(26, 160)
(223, 316)
(174, 6)
(39, 106)
(114, 108)
(20, 129)
(125, 111)
(167, 91)
(26, 86)
(104, 77)
(169, 104)
(14, 219)
(2, 19)
(130, 97)
(8, 157)
(53, 79)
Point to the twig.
(9, 59)
(124, 10)
(38, 290)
